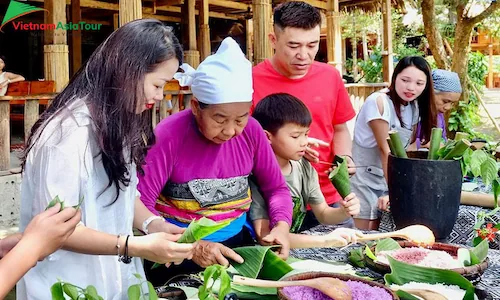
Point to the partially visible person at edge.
(88, 144)
(203, 156)
(409, 98)
(286, 122)
(292, 69)
(45, 234)
(7, 78)
(447, 92)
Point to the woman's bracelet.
(125, 258)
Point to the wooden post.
(262, 28)
(130, 10)
(204, 30)
(191, 56)
(76, 37)
(31, 114)
(4, 135)
(490, 66)
(249, 29)
(387, 55)
(116, 21)
(333, 35)
(56, 54)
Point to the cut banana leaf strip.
(340, 179)
(249, 292)
(405, 296)
(198, 230)
(479, 253)
(369, 253)
(463, 256)
(402, 273)
(386, 245)
(261, 262)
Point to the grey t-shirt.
(304, 186)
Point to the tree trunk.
(433, 35)
(461, 49)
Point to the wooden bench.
(27, 88)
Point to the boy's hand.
(351, 204)
(342, 237)
(279, 235)
(311, 154)
(384, 204)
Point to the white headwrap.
(446, 81)
(224, 77)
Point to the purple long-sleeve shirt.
(182, 154)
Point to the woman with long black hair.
(88, 144)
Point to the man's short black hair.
(277, 110)
(296, 14)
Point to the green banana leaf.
(402, 273)
(340, 178)
(261, 262)
(387, 244)
(479, 253)
(198, 230)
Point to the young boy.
(286, 121)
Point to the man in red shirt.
(292, 70)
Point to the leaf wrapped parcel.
(261, 262)
(340, 179)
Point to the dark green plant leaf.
(357, 258)
(476, 160)
(496, 190)
(386, 245)
(225, 285)
(53, 202)
(479, 252)
(56, 290)
(134, 292)
(70, 290)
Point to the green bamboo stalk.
(461, 136)
(458, 150)
(436, 135)
(389, 142)
(399, 149)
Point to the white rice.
(451, 292)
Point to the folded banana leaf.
(387, 244)
(261, 262)
(198, 230)
(340, 178)
(402, 273)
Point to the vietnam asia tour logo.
(18, 9)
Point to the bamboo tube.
(389, 142)
(435, 143)
(461, 136)
(399, 149)
(458, 150)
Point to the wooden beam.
(229, 4)
(249, 36)
(191, 24)
(92, 21)
(316, 3)
(333, 35)
(116, 21)
(262, 28)
(169, 2)
(162, 18)
(57, 9)
(76, 37)
(490, 66)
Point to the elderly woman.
(201, 161)
(447, 91)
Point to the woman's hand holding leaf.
(160, 247)
(48, 231)
(163, 226)
(279, 235)
(210, 253)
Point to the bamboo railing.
(358, 92)
(31, 113)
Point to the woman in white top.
(409, 98)
(88, 144)
(7, 77)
